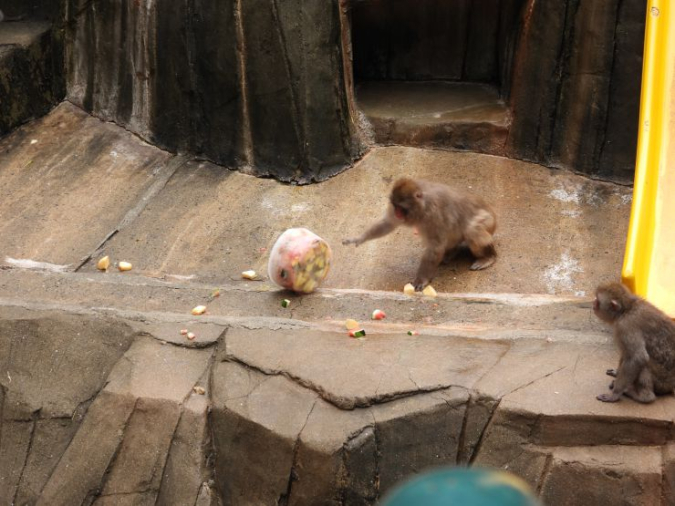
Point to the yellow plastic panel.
(649, 263)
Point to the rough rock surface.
(256, 85)
(31, 72)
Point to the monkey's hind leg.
(643, 388)
(480, 243)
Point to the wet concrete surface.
(558, 233)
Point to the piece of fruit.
(249, 274)
(357, 333)
(413, 333)
(285, 303)
(198, 310)
(409, 289)
(199, 390)
(124, 266)
(191, 336)
(183, 332)
(378, 314)
(103, 263)
(351, 324)
(429, 291)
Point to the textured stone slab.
(604, 475)
(14, 446)
(187, 468)
(141, 457)
(149, 369)
(51, 363)
(378, 368)
(568, 413)
(62, 195)
(81, 469)
(256, 422)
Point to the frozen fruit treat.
(299, 261)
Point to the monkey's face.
(407, 206)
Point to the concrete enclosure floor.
(73, 188)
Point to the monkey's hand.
(611, 372)
(608, 397)
(356, 241)
(420, 284)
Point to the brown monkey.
(446, 220)
(646, 338)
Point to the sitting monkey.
(446, 219)
(646, 337)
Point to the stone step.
(300, 412)
(451, 115)
(31, 74)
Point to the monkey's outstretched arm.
(383, 227)
(633, 361)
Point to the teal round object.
(462, 487)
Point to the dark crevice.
(463, 454)
(115, 455)
(564, 55)
(295, 464)
(297, 121)
(33, 422)
(378, 459)
(168, 453)
(337, 402)
(612, 83)
(545, 473)
(486, 429)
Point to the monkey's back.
(658, 332)
(454, 211)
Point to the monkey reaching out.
(646, 338)
(446, 220)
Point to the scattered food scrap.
(34, 141)
(124, 266)
(429, 291)
(413, 333)
(285, 303)
(249, 275)
(103, 263)
(198, 310)
(351, 324)
(409, 289)
(199, 390)
(378, 314)
(215, 293)
(357, 333)
(191, 336)
(183, 332)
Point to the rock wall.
(108, 410)
(256, 84)
(569, 70)
(575, 90)
(266, 86)
(31, 77)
